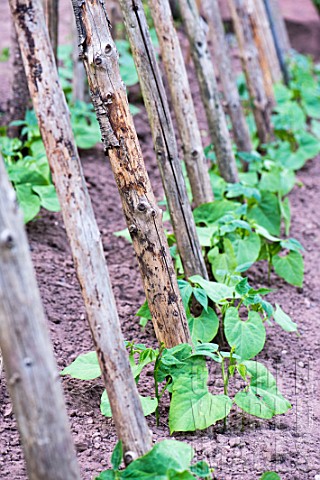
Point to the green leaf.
(201, 469)
(284, 320)
(209, 213)
(309, 146)
(201, 297)
(204, 328)
(247, 250)
(311, 103)
(186, 291)
(222, 263)
(116, 457)
(217, 292)
(247, 336)
(270, 476)
(205, 235)
(290, 267)
(292, 244)
(84, 367)
(192, 407)
(28, 201)
(149, 405)
(262, 399)
(164, 456)
(48, 197)
(267, 213)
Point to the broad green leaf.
(186, 291)
(164, 456)
(289, 117)
(262, 399)
(205, 235)
(267, 213)
(192, 407)
(84, 367)
(201, 297)
(290, 267)
(149, 405)
(247, 336)
(311, 103)
(217, 292)
(29, 202)
(292, 244)
(246, 250)
(284, 320)
(224, 263)
(205, 327)
(48, 197)
(264, 233)
(309, 146)
(282, 93)
(209, 213)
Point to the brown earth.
(287, 444)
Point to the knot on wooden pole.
(6, 239)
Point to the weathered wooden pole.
(18, 103)
(197, 34)
(81, 227)
(265, 37)
(227, 77)
(280, 25)
(256, 23)
(280, 37)
(52, 19)
(79, 73)
(251, 66)
(144, 218)
(32, 377)
(181, 96)
(163, 135)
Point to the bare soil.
(288, 443)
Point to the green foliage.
(167, 460)
(28, 169)
(4, 54)
(270, 476)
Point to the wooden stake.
(257, 28)
(268, 49)
(144, 218)
(181, 96)
(82, 230)
(280, 26)
(251, 66)
(156, 103)
(280, 38)
(52, 19)
(226, 74)
(196, 31)
(31, 372)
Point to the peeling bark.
(156, 103)
(251, 66)
(181, 96)
(81, 227)
(226, 74)
(18, 103)
(197, 34)
(144, 218)
(79, 73)
(31, 372)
